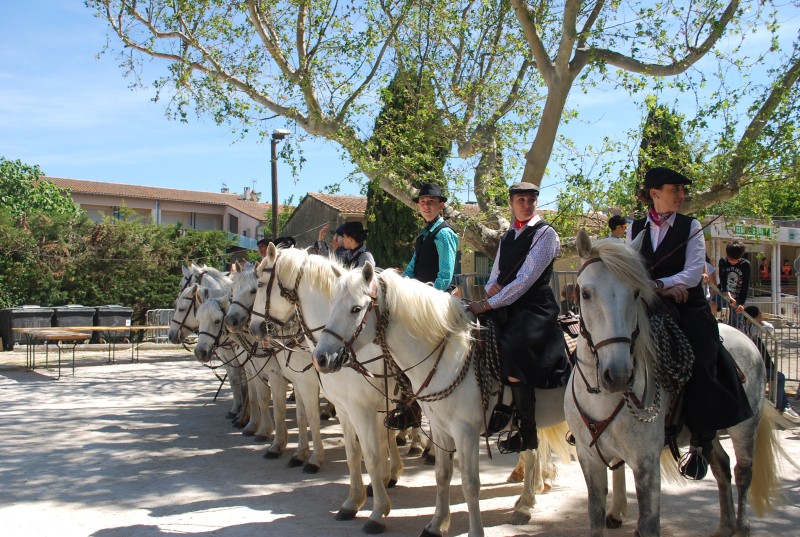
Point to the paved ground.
(141, 450)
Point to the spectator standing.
(734, 279)
(618, 226)
(786, 271)
(764, 271)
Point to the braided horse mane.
(625, 264)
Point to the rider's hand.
(322, 232)
(739, 308)
(477, 308)
(679, 293)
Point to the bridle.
(291, 295)
(192, 308)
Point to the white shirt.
(545, 248)
(695, 262)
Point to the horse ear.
(224, 302)
(368, 271)
(272, 253)
(336, 271)
(583, 243)
(203, 295)
(240, 265)
(187, 273)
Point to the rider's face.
(523, 206)
(429, 207)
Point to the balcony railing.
(244, 242)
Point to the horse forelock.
(429, 314)
(625, 265)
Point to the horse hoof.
(519, 519)
(272, 455)
(230, 415)
(310, 468)
(374, 528)
(346, 514)
(369, 491)
(430, 459)
(248, 433)
(391, 484)
(324, 415)
(426, 533)
(295, 462)
(401, 440)
(414, 451)
(612, 523)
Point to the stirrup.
(694, 463)
(509, 442)
(499, 419)
(402, 417)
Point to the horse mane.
(318, 272)
(216, 274)
(430, 314)
(627, 266)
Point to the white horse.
(292, 282)
(294, 362)
(614, 294)
(184, 323)
(429, 337)
(256, 419)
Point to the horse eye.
(636, 295)
(216, 321)
(356, 309)
(181, 309)
(585, 295)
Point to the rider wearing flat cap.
(531, 344)
(673, 248)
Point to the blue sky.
(73, 114)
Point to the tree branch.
(528, 24)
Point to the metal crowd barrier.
(159, 317)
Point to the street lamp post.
(277, 136)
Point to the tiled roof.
(342, 203)
(251, 208)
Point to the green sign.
(753, 231)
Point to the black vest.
(426, 260)
(513, 251)
(669, 258)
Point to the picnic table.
(57, 336)
(107, 333)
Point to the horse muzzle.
(328, 361)
(203, 353)
(617, 376)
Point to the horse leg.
(596, 477)
(619, 499)
(416, 442)
(357, 494)
(647, 476)
(471, 481)
(278, 385)
(374, 446)
(532, 472)
(518, 473)
(301, 453)
(254, 391)
(444, 473)
(721, 468)
(395, 462)
(309, 392)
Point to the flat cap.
(659, 176)
(523, 188)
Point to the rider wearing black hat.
(673, 248)
(354, 238)
(531, 344)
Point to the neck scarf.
(659, 219)
(519, 223)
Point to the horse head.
(184, 320)
(245, 287)
(354, 297)
(213, 304)
(614, 290)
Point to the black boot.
(694, 464)
(405, 415)
(526, 437)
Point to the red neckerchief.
(519, 223)
(658, 219)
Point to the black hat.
(280, 242)
(658, 176)
(431, 190)
(523, 188)
(351, 228)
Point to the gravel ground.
(143, 450)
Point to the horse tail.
(669, 469)
(764, 487)
(555, 438)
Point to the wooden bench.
(57, 336)
(106, 332)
